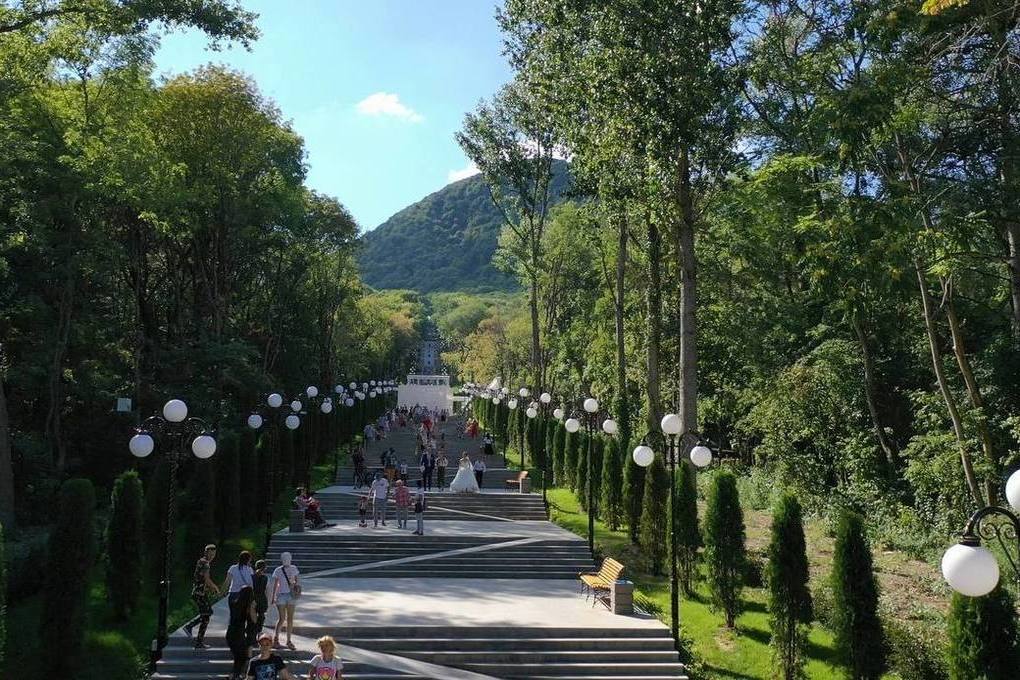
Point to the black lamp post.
(701, 456)
(289, 417)
(590, 409)
(175, 429)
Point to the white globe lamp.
(1013, 491)
(670, 424)
(591, 405)
(643, 455)
(701, 456)
(572, 425)
(558, 413)
(545, 398)
(292, 422)
(970, 570)
(531, 412)
(274, 400)
(609, 426)
(312, 391)
(254, 421)
(175, 411)
(141, 445)
(203, 446)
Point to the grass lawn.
(740, 653)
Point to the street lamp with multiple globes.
(701, 456)
(590, 409)
(176, 429)
(290, 419)
(972, 569)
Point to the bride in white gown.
(465, 481)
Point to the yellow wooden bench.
(601, 581)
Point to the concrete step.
(660, 644)
(523, 656)
(540, 633)
(575, 670)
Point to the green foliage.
(983, 637)
(124, 545)
(250, 477)
(687, 530)
(787, 579)
(725, 553)
(3, 598)
(654, 524)
(571, 455)
(859, 638)
(611, 503)
(228, 485)
(581, 477)
(200, 508)
(72, 551)
(916, 653)
(559, 454)
(633, 496)
(110, 656)
(461, 226)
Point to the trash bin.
(297, 521)
(621, 596)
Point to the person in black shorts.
(201, 585)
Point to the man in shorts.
(201, 585)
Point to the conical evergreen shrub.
(611, 504)
(653, 520)
(248, 480)
(633, 495)
(983, 637)
(688, 531)
(571, 452)
(859, 641)
(725, 552)
(228, 485)
(199, 514)
(598, 445)
(787, 580)
(559, 446)
(124, 545)
(153, 522)
(3, 598)
(72, 551)
(581, 473)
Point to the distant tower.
(428, 353)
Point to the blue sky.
(376, 88)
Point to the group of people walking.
(250, 594)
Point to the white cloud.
(463, 173)
(386, 104)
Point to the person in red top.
(403, 499)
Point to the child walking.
(419, 510)
(363, 510)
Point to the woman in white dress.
(465, 481)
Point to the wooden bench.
(511, 483)
(601, 581)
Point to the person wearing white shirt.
(479, 467)
(285, 585)
(238, 576)
(380, 490)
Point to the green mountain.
(444, 242)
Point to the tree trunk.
(623, 401)
(536, 376)
(688, 301)
(940, 376)
(973, 391)
(654, 302)
(888, 449)
(6, 469)
(1009, 177)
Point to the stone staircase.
(182, 662)
(535, 653)
(338, 507)
(553, 559)
(494, 478)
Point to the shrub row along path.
(490, 591)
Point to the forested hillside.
(444, 241)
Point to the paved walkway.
(473, 599)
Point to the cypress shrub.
(611, 503)
(111, 656)
(572, 445)
(3, 598)
(688, 532)
(982, 637)
(653, 524)
(228, 486)
(200, 529)
(249, 475)
(598, 446)
(72, 550)
(633, 496)
(581, 473)
(860, 643)
(559, 444)
(155, 512)
(549, 428)
(787, 580)
(124, 545)
(725, 554)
